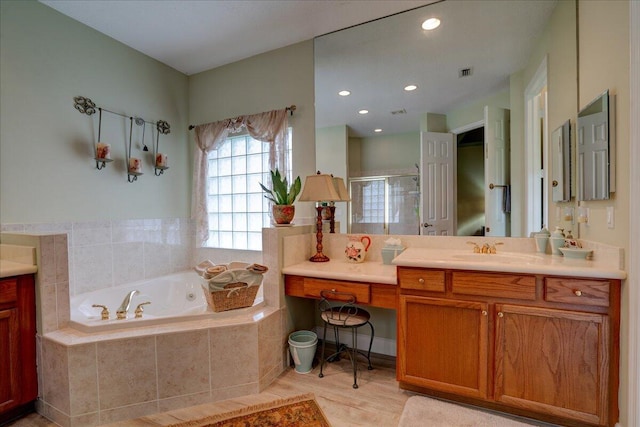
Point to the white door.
(593, 156)
(437, 155)
(497, 193)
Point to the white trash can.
(302, 346)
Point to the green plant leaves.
(282, 194)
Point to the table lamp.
(319, 188)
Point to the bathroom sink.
(501, 258)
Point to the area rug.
(295, 411)
(424, 411)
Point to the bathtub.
(174, 298)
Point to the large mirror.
(596, 149)
(561, 163)
(470, 73)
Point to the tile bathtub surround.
(109, 253)
(91, 380)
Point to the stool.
(341, 316)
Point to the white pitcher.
(356, 249)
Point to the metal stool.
(343, 315)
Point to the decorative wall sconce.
(103, 150)
(160, 159)
(133, 163)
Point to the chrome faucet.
(121, 313)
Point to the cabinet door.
(553, 361)
(443, 345)
(9, 359)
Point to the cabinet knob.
(421, 281)
(578, 292)
(500, 314)
(484, 312)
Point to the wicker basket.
(234, 295)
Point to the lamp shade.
(319, 188)
(341, 189)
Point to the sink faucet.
(121, 313)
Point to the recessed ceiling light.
(344, 93)
(431, 24)
(363, 112)
(410, 88)
(377, 130)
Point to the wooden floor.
(377, 402)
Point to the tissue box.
(389, 252)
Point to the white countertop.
(16, 260)
(12, 268)
(368, 271)
(509, 262)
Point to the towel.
(506, 199)
(232, 276)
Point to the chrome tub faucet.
(121, 313)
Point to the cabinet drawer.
(8, 291)
(421, 279)
(313, 287)
(516, 286)
(575, 291)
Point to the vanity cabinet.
(18, 384)
(539, 346)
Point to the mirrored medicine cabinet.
(561, 163)
(596, 149)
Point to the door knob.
(554, 183)
(427, 225)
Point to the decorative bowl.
(576, 253)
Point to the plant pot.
(283, 214)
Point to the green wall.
(47, 171)
(269, 81)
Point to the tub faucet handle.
(105, 311)
(139, 310)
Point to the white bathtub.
(176, 297)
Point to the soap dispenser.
(557, 241)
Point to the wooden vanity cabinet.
(18, 381)
(444, 345)
(533, 345)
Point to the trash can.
(302, 346)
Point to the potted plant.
(282, 195)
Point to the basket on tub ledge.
(230, 286)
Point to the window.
(236, 205)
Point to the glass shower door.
(385, 205)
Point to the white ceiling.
(197, 35)
(374, 61)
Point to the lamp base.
(319, 257)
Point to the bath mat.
(424, 411)
(295, 411)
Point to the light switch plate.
(610, 217)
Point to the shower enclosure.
(388, 204)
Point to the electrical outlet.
(610, 217)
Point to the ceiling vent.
(396, 112)
(465, 72)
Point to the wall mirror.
(561, 163)
(458, 69)
(596, 149)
